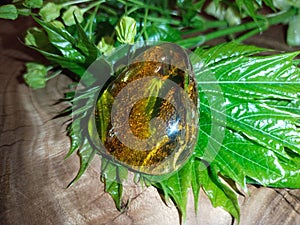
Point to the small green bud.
(68, 15)
(8, 12)
(58, 24)
(50, 11)
(293, 32)
(33, 3)
(216, 10)
(105, 45)
(232, 16)
(126, 30)
(35, 76)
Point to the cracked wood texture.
(34, 174)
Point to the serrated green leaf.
(8, 12)
(176, 187)
(261, 117)
(219, 194)
(113, 176)
(226, 51)
(104, 105)
(259, 122)
(240, 157)
(86, 153)
(75, 134)
(196, 183)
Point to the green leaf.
(223, 51)
(176, 187)
(74, 132)
(249, 6)
(33, 3)
(35, 75)
(68, 15)
(36, 37)
(270, 3)
(66, 63)
(8, 12)
(86, 45)
(50, 11)
(86, 153)
(113, 176)
(262, 113)
(249, 128)
(24, 11)
(195, 180)
(189, 9)
(104, 105)
(63, 41)
(219, 194)
(163, 32)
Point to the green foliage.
(70, 13)
(249, 133)
(8, 12)
(293, 33)
(162, 32)
(259, 124)
(113, 176)
(33, 3)
(261, 135)
(50, 11)
(35, 75)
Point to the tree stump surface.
(34, 174)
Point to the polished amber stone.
(147, 117)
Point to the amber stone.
(147, 117)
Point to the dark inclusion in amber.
(150, 110)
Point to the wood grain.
(34, 174)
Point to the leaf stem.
(53, 75)
(74, 2)
(141, 4)
(143, 31)
(250, 34)
(92, 5)
(271, 20)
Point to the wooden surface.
(34, 174)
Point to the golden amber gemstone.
(147, 118)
